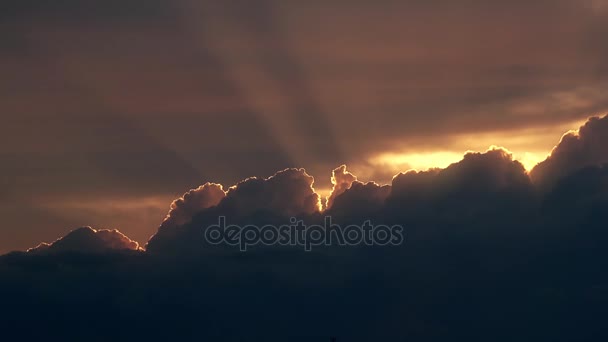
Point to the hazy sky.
(111, 109)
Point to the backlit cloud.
(88, 240)
(192, 202)
(587, 146)
(341, 181)
(478, 229)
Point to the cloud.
(287, 193)
(184, 208)
(580, 197)
(341, 181)
(352, 199)
(480, 184)
(588, 146)
(491, 171)
(478, 230)
(359, 202)
(87, 240)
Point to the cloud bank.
(489, 248)
(478, 186)
(478, 181)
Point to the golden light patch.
(441, 159)
(323, 192)
(418, 161)
(529, 146)
(530, 159)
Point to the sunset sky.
(112, 109)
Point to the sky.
(112, 109)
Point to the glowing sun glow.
(440, 159)
(418, 161)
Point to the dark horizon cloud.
(488, 250)
(87, 240)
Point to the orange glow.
(418, 161)
(441, 159)
(529, 146)
(529, 159)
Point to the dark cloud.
(579, 199)
(341, 181)
(352, 200)
(483, 245)
(576, 150)
(184, 208)
(483, 188)
(288, 193)
(360, 202)
(87, 240)
(490, 171)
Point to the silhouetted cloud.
(341, 181)
(580, 197)
(588, 146)
(288, 192)
(87, 240)
(359, 202)
(481, 239)
(478, 186)
(192, 202)
(482, 186)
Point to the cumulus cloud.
(88, 240)
(580, 196)
(286, 193)
(588, 146)
(480, 184)
(352, 199)
(184, 208)
(493, 170)
(478, 229)
(341, 181)
(359, 201)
